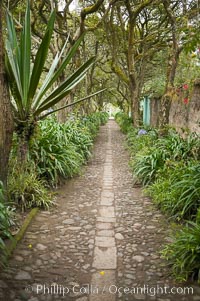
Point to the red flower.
(186, 100)
(185, 87)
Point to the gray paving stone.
(105, 233)
(107, 193)
(119, 236)
(3, 284)
(41, 247)
(108, 211)
(68, 221)
(105, 258)
(106, 219)
(105, 226)
(106, 201)
(104, 282)
(104, 241)
(23, 275)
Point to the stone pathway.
(105, 252)
(100, 243)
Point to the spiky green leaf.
(41, 58)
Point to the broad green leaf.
(14, 67)
(25, 45)
(65, 87)
(73, 103)
(51, 78)
(40, 59)
(13, 52)
(69, 56)
(13, 84)
(45, 86)
(12, 37)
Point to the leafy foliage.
(56, 151)
(59, 150)
(26, 190)
(125, 122)
(159, 152)
(33, 93)
(53, 152)
(5, 223)
(93, 121)
(169, 166)
(176, 190)
(137, 142)
(184, 253)
(189, 192)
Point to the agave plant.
(32, 96)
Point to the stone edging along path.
(100, 243)
(19, 236)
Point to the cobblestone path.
(100, 243)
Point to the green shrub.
(149, 160)
(93, 122)
(104, 116)
(26, 190)
(59, 150)
(146, 164)
(53, 153)
(6, 220)
(56, 151)
(180, 148)
(184, 253)
(177, 190)
(188, 186)
(125, 122)
(137, 142)
(79, 135)
(198, 216)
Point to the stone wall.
(194, 109)
(187, 115)
(183, 115)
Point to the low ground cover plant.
(183, 254)
(26, 190)
(6, 220)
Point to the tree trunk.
(165, 110)
(131, 70)
(166, 99)
(172, 67)
(135, 107)
(23, 150)
(6, 120)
